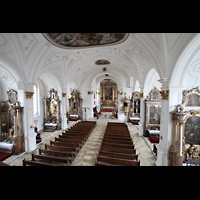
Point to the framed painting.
(12, 96)
(154, 112)
(192, 129)
(193, 100)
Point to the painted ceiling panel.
(65, 40)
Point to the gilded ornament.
(29, 95)
(164, 94)
(64, 94)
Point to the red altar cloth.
(106, 110)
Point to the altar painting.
(192, 129)
(154, 115)
(193, 100)
(108, 93)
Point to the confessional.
(52, 119)
(134, 111)
(11, 125)
(186, 130)
(75, 106)
(152, 114)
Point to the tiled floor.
(88, 154)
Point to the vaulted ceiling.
(33, 56)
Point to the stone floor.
(88, 154)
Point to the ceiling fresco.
(65, 40)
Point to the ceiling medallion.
(102, 62)
(82, 40)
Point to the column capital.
(165, 88)
(63, 94)
(165, 94)
(165, 83)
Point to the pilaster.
(30, 135)
(64, 109)
(165, 125)
(142, 114)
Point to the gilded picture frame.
(12, 96)
(154, 112)
(191, 129)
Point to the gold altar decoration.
(108, 93)
(29, 95)
(165, 94)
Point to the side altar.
(52, 119)
(185, 148)
(11, 125)
(75, 106)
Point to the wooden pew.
(117, 141)
(118, 150)
(74, 137)
(66, 144)
(68, 155)
(117, 138)
(118, 155)
(60, 146)
(50, 159)
(70, 141)
(107, 144)
(117, 147)
(118, 161)
(34, 163)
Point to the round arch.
(50, 81)
(184, 61)
(151, 81)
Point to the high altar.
(108, 96)
(186, 130)
(52, 119)
(11, 125)
(75, 106)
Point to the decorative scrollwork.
(29, 95)
(165, 94)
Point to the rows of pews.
(64, 149)
(117, 147)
